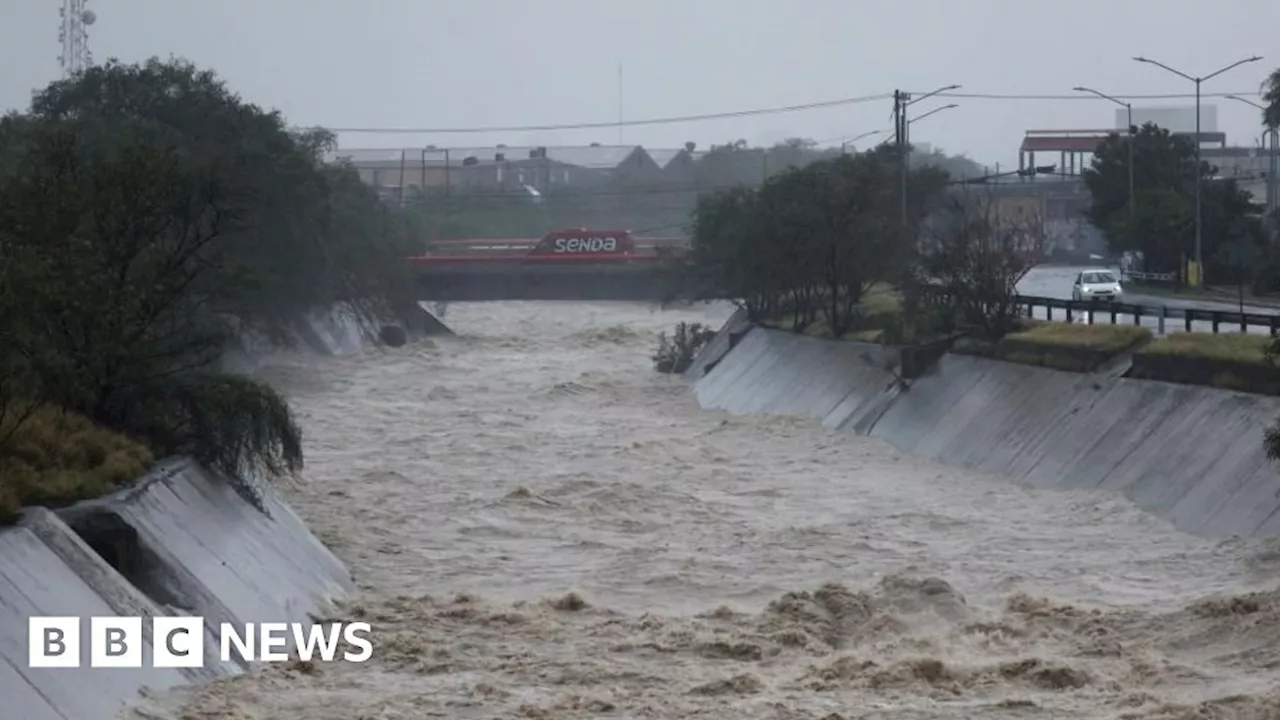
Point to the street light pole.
(1132, 140)
(935, 110)
(900, 139)
(906, 149)
(901, 102)
(1199, 173)
(1271, 141)
(855, 139)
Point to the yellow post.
(1193, 274)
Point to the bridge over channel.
(571, 264)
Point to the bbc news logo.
(178, 642)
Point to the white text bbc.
(178, 642)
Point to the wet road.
(1055, 282)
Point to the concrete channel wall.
(1191, 454)
(182, 541)
(338, 331)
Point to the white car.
(1096, 285)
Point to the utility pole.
(1273, 169)
(1198, 80)
(900, 141)
(1133, 137)
(400, 193)
(901, 100)
(1270, 143)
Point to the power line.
(765, 111)
(629, 123)
(640, 191)
(1081, 96)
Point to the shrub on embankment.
(147, 213)
(676, 352)
(54, 458)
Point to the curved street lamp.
(935, 110)
(1272, 136)
(1198, 81)
(855, 139)
(902, 102)
(1132, 141)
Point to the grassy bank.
(1232, 361)
(1225, 347)
(1061, 346)
(55, 458)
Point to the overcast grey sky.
(468, 63)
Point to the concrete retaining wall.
(714, 351)
(769, 371)
(36, 580)
(337, 332)
(182, 542)
(1191, 454)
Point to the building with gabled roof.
(678, 166)
(665, 156)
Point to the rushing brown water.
(543, 527)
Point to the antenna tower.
(74, 36)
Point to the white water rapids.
(543, 527)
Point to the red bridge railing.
(577, 258)
(561, 247)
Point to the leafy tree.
(975, 261)
(1163, 226)
(1164, 169)
(841, 211)
(1271, 87)
(310, 235)
(731, 256)
(956, 166)
(795, 153)
(735, 163)
(143, 210)
(809, 243)
(116, 250)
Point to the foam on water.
(543, 527)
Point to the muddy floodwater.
(543, 527)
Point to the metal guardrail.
(1162, 313)
(1146, 276)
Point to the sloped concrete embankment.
(338, 331)
(181, 542)
(1191, 454)
(733, 330)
